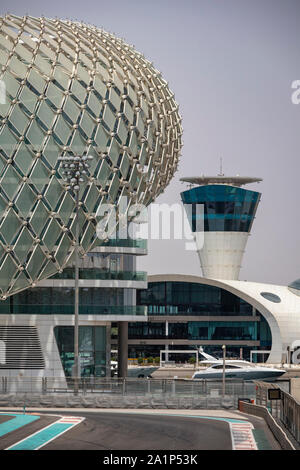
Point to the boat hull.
(141, 372)
(239, 374)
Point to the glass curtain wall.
(226, 208)
(92, 349)
(189, 298)
(47, 300)
(194, 299)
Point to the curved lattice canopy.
(67, 88)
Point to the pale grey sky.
(231, 64)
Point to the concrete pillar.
(295, 388)
(221, 253)
(122, 348)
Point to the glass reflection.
(92, 349)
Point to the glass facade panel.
(10, 182)
(10, 227)
(203, 330)
(226, 208)
(92, 349)
(187, 298)
(113, 266)
(24, 241)
(199, 300)
(146, 330)
(126, 242)
(233, 352)
(100, 274)
(65, 296)
(25, 201)
(60, 300)
(100, 340)
(86, 338)
(223, 331)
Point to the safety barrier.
(285, 411)
(123, 393)
(290, 415)
(263, 412)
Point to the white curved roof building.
(279, 305)
(257, 320)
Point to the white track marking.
(242, 436)
(72, 420)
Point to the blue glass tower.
(226, 213)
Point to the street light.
(223, 378)
(74, 172)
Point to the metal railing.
(206, 389)
(262, 397)
(196, 310)
(290, 415)
(68, 309)
(101, 274)
(287, 409)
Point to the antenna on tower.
(221, 167)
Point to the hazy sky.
(231, 64)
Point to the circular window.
(271, 297)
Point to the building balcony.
(196, 310)
(191, 337)
(126, 243)
(122, 246)
(101, 274)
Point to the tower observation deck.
(226, 212)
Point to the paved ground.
(147, 430)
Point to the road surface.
(134, 430)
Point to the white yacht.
(235, 369)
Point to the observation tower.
(221, 218)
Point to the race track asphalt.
(114, 431)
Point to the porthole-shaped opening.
(271, 297)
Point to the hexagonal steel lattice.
(70, 88)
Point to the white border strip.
(60, 420)
(246, 444)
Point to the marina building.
(72, 93)
(256, 321)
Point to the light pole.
(74, 171)
(223, 378)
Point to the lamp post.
(223, 377)
(74, 171)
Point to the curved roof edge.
(205, 280)
(221, 179)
